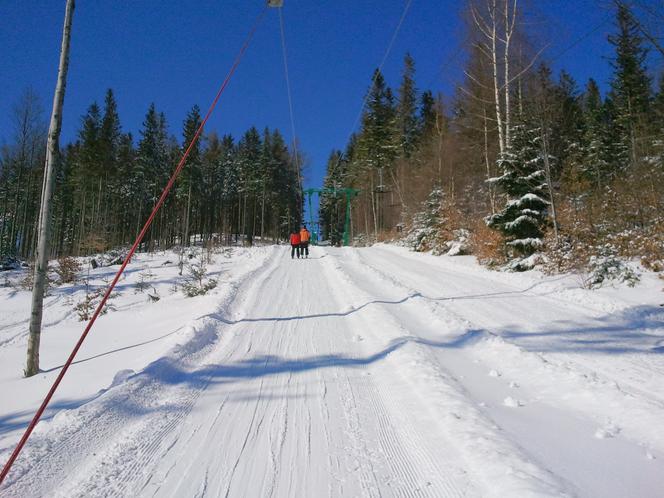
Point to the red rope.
(138, 240)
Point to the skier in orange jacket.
(295, 245)
(304, 241)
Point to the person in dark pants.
(295, 245)
(304, 241)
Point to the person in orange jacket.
(304, 241)
(295, 245)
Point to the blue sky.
(176, 52)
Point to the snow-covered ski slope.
(357, 372)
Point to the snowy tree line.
(107, 184)
(524, 160)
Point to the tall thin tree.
(52, 149)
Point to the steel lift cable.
(290, 106)
(8, 465)
(380, 67)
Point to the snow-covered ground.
(357, 372)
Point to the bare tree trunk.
(547, 168)
(52, 146)
(492, 190)
(5, 210)
(185, 236)
(510, 21)
(496, 85)
(497, 31)
(373, 208)
(263, 213)
(244, 220)
(366, 216)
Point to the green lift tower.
(349, 193)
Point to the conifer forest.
(518, 163)
(108, 181)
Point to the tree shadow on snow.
(636, 330)
(355, 309)
(169, 371)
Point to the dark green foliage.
(428, 114)
(631, 95)
(332, 208)
(21, 170)
(595, 158)
(106, 186)
(524, 217)
(376, 147)
(407, 122)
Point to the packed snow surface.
(356, 372)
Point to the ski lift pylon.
(275, 3)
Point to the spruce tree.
(427, 223)
(524, 218)
(407, 122)
(376, 143)
(249, 157)
(428, 114)
(567, 125)
(151, 169)
(110, 133)
(189, 181)
(332, 206)
(89, 137)
(595, 158)
(85, 174)
(658, 124)
(630, 85)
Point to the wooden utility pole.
(52, 151)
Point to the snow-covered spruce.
(433, 230)
(524, 218)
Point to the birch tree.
(52, 149)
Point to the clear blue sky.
(175, 53)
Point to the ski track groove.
(411, 474)
(368, 444)
(69, 449)
(567, 364)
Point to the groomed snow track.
(368, 373)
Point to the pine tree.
(658, 104)
(332, 207)
(595, 161)
(150, 170)
(85, 177)
(407, 122)
(109, 133)
(190, 178)
(630, 86)
(89, 137)
(428, 114)
(523, 219)
(249, 157)
(376, 143)
(228, 171)
(124, 196)
(658, 124)
(283, 185)
(567, 124)
(427, 223)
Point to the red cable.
(138, 240)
